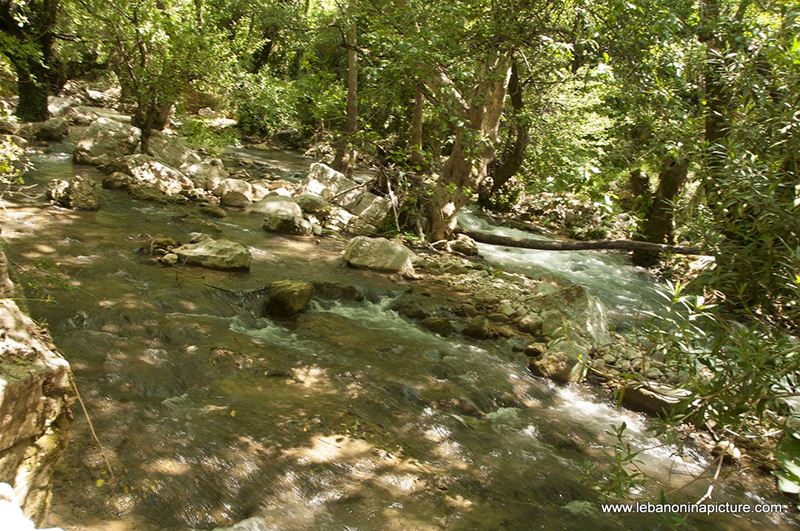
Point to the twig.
(91, 427)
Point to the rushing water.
(626, 290)
(349, 417)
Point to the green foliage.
(621, 477)
(739, 374)
(12, 163)
(199, 134)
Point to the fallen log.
(552, 245)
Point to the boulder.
(145, 171)
(380, 254)
(325, 181)
(35, 401)
(80, 115)
(83, 193)
(172, 150)
(479, 327)
(463, 244)
(234, 185)
(206, 174)
(80, 193)
(50, 130)
(234, 199)
(104, 141)
(283, 216)
(58, 192)
(652, 398)
(562, 364)
(57, 106)
(288, 297)
(531, 324)
(312, 203)
(117, 181)
(438, 325)
(371, 211)
(214, 254)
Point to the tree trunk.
(32, 104)
(658, 225)
(462, 175)
(714, 95)
(343, 160)
(513, 156)
(149, 117)
(30, 51)
(551, 245)
(415, 133)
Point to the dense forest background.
(679, 116)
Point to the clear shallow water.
(349, 417)
(626, 290)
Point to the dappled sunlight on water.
(348, 416)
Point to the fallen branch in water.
(551, 245)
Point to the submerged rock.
(288, 297)
(214, 254)
(104, 141)
(380, 254)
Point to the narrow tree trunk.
(462, 175)
(32, 104)
(658, 225)
(343, 160)
(510, 161)
(415, 133)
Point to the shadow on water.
(347, 417)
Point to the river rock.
(282, 216)
(371, 211)
(214, 254)
(80, 115)
(479, 327)
(207, 174)
(58, 192)
(288, 297)
(652, 397)
(35, 399)
(104, 141)
(83, 193)
(531, 324)
(235, 199)
(117, 181)
(438, 325)
(172, 150)
(380, 254)
(6, 286)
(463, 244)
(79, 193)
(312, 203)
(562, 363)
(53, 129)
(324, 181)
(145, 171)
(234, 185)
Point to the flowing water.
(348, 417)
(627, 291)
